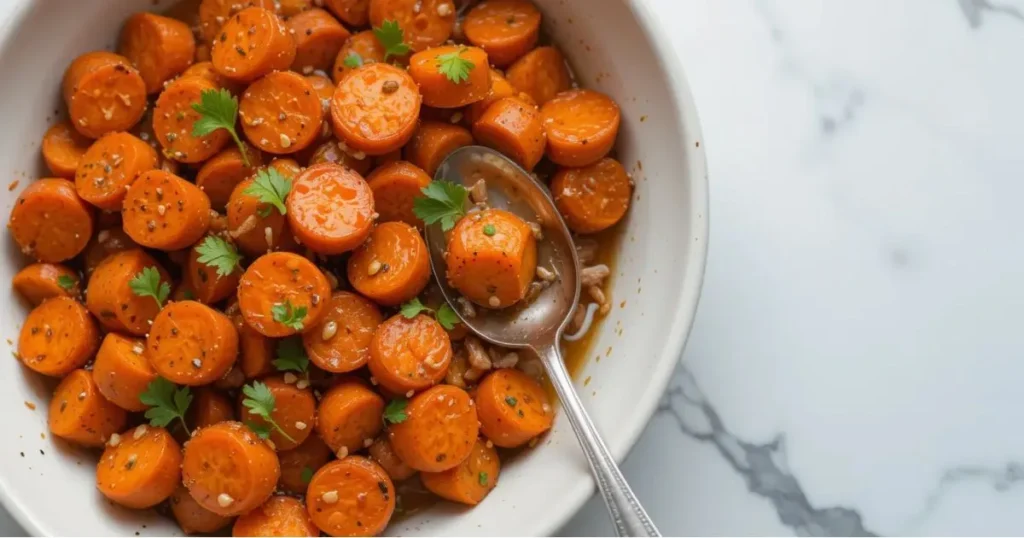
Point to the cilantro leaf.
(261, 430)
(447, 317)
(147, 284)
(443, 202)
(218, 110)
(270, 187)
(66, 282)
(288, 315)
(167, 402)
(260, 402)
(392, 38)
(353, 60)
(412, 308)
(482, 478)
(291, 355)
(444, 315)
(220, 254)
(454, 67)
(395, 413)
(307, 475)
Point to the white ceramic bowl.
(616, 47)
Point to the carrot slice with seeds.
(341, 341)
(159, 47)
(363, 48)
(252, 43)
(506, 29)
(330, 209)
(122, 372)
(513, 408)
(409, 354)
(383, 453)
(375, 108)
(163, 211)
(228, 469)
(50, 222)
(436, 84)
(392, 266)
(191, 343)
(103, 93)
(299, 464)
(349, 414)
(174, 120)
(424, 23)
(58, 336)
(439, 431)
(471, 480)
(513, 127)
(110, 166)
(318, 37)
(433, 141)
(279, 516)
(581, 127)
(294, 412)
(219, 176)
(80, 414)
(109, 295)
(214, 13)
(592, 198)
(281, 113)
(63, 148)
(282, 294)
(492, 258)
(193, 518)
(40, 281)
(351, 497)
(352, 12)
(142, 469)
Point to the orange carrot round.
(375, 108)
(191, 344)
(541, 73)
(351, 497)
(257, 351)
(63, 148)
(281, 113)
(228, 469)
(110, 298)
(193, 518)
(219, 176)
(506, 29)
(49, 222)
(409, 354)
(351, 12)
(279, 516)
(349, 414)
(392, 266)
(58, 336)
(330, 209)
(592, 198)
(500, 89)
(433, 141)
(318, 37)
(80, 414)
(513, 408)
(209, 407)
(40, 281)
(331, 152)
(471, 480)
(439, 430)
(514, 128)
(103, 93)
(428, 69)
(282, 294)
(252, 43)
(294, 411)
(395, 185)
(383, 453)
(214, 13)
(341, 340)
(299, 464)
(174, 120)
(364, 47)
(122, 372)
(256, 227)
(208, 285)
(491, 258)
(159, 47)
(207, 71)
(165, 212)
(110, 166)
(140, 470)
(581, 127)
(424, 23)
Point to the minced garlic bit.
(342, 452)
(374, 267)
(329, 330)
(225, 500)
(285, 141)
(300, 425)
(330, 497)
(115, 439)
(409, 394)
(140, 430)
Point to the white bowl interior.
(49, 487)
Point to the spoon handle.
(629, 517)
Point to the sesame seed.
(285, 141)
(115, 439)
(131, 462)
(302, 384)
(300, 425)
(329, 330)
(409, 394)
(151, 225)
(342, 452)
(330, 497)
(224, 500)
(197, 363)
(81, 395)
(290, 378)
(139, 432)
(374, 268)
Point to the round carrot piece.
(375, 108)
(58, 336)
(395, 185)
(291, 8)
(299, 464)
(207, 71)
(331, 152)
(209, 406)
(228, 469)
(193, 518)
(110, 298)
(318, 37)
(40, 281)
(213, 14)
(49, 222)
(541, 74)
(107, 242)
(439, 430)
(513, 408)
(208, 285)
(282, 294)
(506, 29)
(392, 266)
(255, 226)
(491, 258)
(330, 209)
(351, 12)
(409, 354)
(122, 372)
(349, 414)
(165, 212)
(581, 126)
(159, 47)
(110, 166)
(174, 118)
(80, 414)
(592, 198)
(433, 141)
(514, 128)
(191, 344)
(323, 87)
(279, 516)
(63, 148)
(424, 23)
(103, 93)
(351, 497)
(258, 351)
(219, 176)
(363, 47)
(470, 481)
(383, 453)
(252, 43)
(341, 340)
(281, 113)
(500, 89)
(433, 69)
(294, 411)
(142, 469)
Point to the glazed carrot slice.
(110, 166)
(294, 411)
(541, 74)
(228, 469)
(299, 464)
(395, 186)
(193, 518)
(281, 113)
(252, 43)
(340, 342)
(331, 152)
(506, 29)
(191, 344)
(141, 469)
(209, 407)
(330, 209)
(40, 281)
(165, 212)
(286, 167)
(122, 372)
(214, 13)
(219, 176)
(433, 141)
(324, 89)
(159, 47)
(392, 266)
(107, 242)
(581, 126)
(500, 89)
(409, 354)
(351, 497)
(351, 12)
(206, 70)
(279, 516)
(425, 23)
(58, 336)
(439, 91)
(287, 284)
(439, 430)
(592, 198)
(491, 258)
(257, 351)
(363, 46)
(208, 286)
(80, 414)
(470, 481)
(375, 108)
(174, 119)
(348, 416)
(514, 128)
(49, 222)
(63, 148)
(103, 93)
(256, 228)
(513, 408)
(110, 298)
(383, 453)
(318, 37)
(291, 8)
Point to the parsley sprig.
(392, 38)
(220, 254)
(306, 475)
(147, 283)
(66, 282)
(291, 356)
(394, 412)
(260, 402)
(167, 402)
(270, 187)
(289, 315)
(445, 315)
(454, 67)
(442, 201)
(353, 60)
(218, 110)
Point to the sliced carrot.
(159, 47)
(257, 351)
(80, 414)
(392, 266)
(165, 212)
(142, 469)
(424, 23)
(438, 89)
(581, 126)
(219, 176)
(49, 222)
(209, 407)
(592, 198)
(103, 93)
(107, 242)
(214, 13)
(395, 186)
(193, 518)
(286, 167)
(228, 469)
(491, 258)
(281, 113)
(409, 354)
(191, 344)
(291, 8)
(383, 453)
(351, 497)
(63, 148)
(299, 464)
(513, 408)
(206, 70)
(375, 108)
(433, 141)
(294, 411)
(541, 73)
(318, 37)
(285, 283)
(364, 47)
(279, 516)
(506, 29)
(330, 209)
(330, 152)
(174, 119)
(348, 416)
(471, 480)
(500, 88)
(514, 128)
(110, 166)
(122, 372)
(252, 43)
(256, 227)
(324, 88)
(40, 281)
(351, 12)
(439, 430)
(341, 341)
(110, 298)
(208, 286)
(58, 336)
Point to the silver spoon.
(538, 326)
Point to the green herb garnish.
(219, 110)
(166, 402)
(147, 283)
